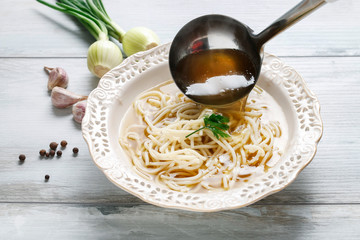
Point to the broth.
(221, 75)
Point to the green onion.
(139, 39)
(92, 14)
(103, 55)
(135, 40)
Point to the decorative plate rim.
(95, 131)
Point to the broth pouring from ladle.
(216, 60)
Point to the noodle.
(159, 149)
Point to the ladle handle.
(295, 14)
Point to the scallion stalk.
(135, 40)
(103, 54)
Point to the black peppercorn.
(63, 143)
(75, 150)
(47, 177)
(47, 154)
(59, 153)
(42, 152)
(53, 145)
(22, 157)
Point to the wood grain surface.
(78, 202)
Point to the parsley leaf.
(217, 124)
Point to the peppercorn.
(63, 143)
(53, 145)
(47, 154)
(52, 153)
(59, 153)
(22, 157)
(42, 152)
(47, 177)
(75, 150)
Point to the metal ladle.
(211, 32)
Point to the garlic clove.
(62, 98)
(57, 77)
(78, 110)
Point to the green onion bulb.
(139, 39)
(103, 55)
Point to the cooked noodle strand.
(158, 146)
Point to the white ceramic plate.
(117, 90)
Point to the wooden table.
(78, 202)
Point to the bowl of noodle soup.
(136, 128)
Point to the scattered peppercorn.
(47, 177)
(22, 157)
(63, 143)
(75, 150)
(53, 145)
(47, 154)
(52, 153)
(59, 153)
(42, 152)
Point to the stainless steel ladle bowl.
(211, 32)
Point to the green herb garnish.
(217, 124)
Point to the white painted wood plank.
(29, 122)
(31, 29)
(80, 203)
(34, 221)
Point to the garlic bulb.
(103, 55)
(62, 98)
(78, 111)
(57, 77)
(139, 39)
